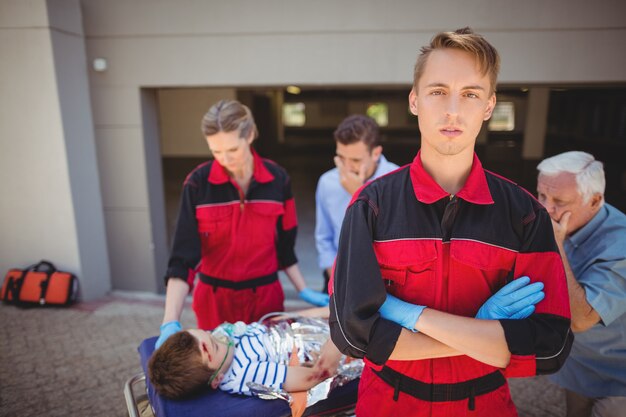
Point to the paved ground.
(74, 362)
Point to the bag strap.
(10, 290)
(14, 286)
(49, 267)
(45, 283)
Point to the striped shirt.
(255, 360)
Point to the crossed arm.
(442, 334)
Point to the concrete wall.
(152, 44)
(249, 43)
(51, 203)
(349, 42)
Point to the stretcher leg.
(132, 401)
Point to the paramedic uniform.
(235, 243)
(404, 235)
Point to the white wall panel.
(122, 162)
(130, 245)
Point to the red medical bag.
(39, 284)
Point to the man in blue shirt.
(358, 159)
(591, 236)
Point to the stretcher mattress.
(214, 403)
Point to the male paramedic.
(359, 158)
(424, 247)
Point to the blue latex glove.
(316, 298)
(516, 300)
(167, 329)
(401, 312)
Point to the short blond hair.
(228, 116)
(465, 40)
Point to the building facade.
(85, 88)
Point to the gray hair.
(589, 172)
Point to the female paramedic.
(236, 228)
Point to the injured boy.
(229, 358)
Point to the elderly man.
(591, 237)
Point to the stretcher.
(209, 403)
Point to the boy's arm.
(328, 361)
(300, 378)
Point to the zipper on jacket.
(242, 199)
(449, 216)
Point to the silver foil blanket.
(307, 335)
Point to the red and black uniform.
(404, 235)
(236, 243)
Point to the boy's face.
(451, 102)
(213, 351)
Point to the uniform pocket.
(261, 217)
(408, 269)
(477, 271)
(214, 218)
(482, 256)
(266, 208)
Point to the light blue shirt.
(331, 202)
(596, 366)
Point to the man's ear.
(413, 102)
(596, 200)
(376, 152)
(490, 106)
(216, 381)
